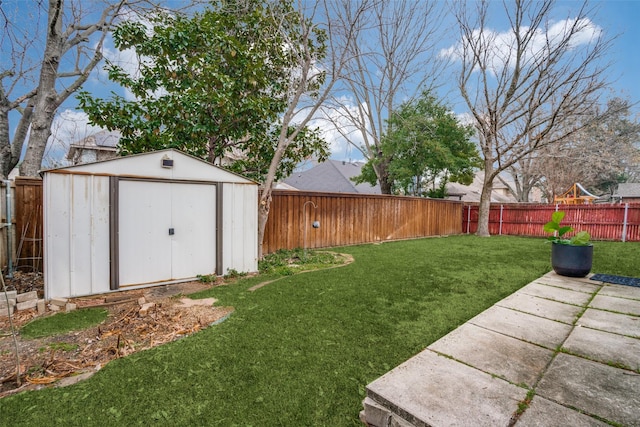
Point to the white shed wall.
(77, 219)
(76, 233)
(240, 228)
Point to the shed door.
(166, 231)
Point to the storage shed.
(144, 220)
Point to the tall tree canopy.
(605, 152)
(426, 147)
(257, 72)
(213, 85)
(525, 86)
(392, 57)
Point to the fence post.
(500, 227)
(8, 226)
(468, 218)
(624, 222)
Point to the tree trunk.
(19, 137)
(263, 215)
(526, 191)
(382, 171)
(485, 201)
(385, 185)
(46, 101)
(40, 133)
(5, 146)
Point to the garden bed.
(126, 330)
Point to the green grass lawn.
(300, 351)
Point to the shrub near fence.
(348, 219)
(618, 222)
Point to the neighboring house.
(335, 176)
(332, 176)
(471, 193)
(628, 192)
(94, 148)
(500, 194)
(103, 146)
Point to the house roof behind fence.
(332, 176)
(628, 189)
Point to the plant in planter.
(569, 257)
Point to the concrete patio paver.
(579, 284)
(553, 344)
(620, 305)
(545, 413)
(514, 360)
(542, 307)
(620, 291)
(594, 388)
(523, 326)
(616, 323)
(419, 389)
(604, 347)
(556, 293)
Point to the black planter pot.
(572, 261)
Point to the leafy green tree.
(209, 84)
(306, 144)
(426, 147)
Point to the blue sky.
(621, 17)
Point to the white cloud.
(465, 118)
(68, 127)
(338, 130)
(500, 45)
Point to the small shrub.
(207, 278)
(234, 274)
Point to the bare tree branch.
(392, 58)
(526, 86)
(48, 54)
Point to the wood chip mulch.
(45, 361)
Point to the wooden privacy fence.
(21, 245)
(620, 222)
(347, 219)
(28, 242)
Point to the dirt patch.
(60, 359)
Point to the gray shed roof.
(331, 176)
